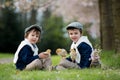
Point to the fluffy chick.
(73, 54)
(47, 52)
(95, 58)
(61, 52)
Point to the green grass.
(5, 55)
(8, 72)
(112, 72)
(110, 60)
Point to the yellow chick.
(95, 55)
(47, 52)
(61, 52)
(73, 54)
(95, 58)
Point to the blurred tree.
(10, 29)
(116, 21)
(29, 11)
(13, 33)
(110, 24)
(106, 23)
(52, 33)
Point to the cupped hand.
(43, 55)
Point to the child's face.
(33, 37)
(74, 34)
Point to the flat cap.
(75, 25)
(39, 28)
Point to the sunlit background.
(53, 16)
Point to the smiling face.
(33, 36)
(74, 34)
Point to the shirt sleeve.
(26, 55)
(85, 51)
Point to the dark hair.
(34, 30)
(72, 28)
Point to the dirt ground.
(6, 60)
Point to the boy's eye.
(37, 36)
(32, 35)
(70, 33)
(76, 33)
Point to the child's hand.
(43, 55)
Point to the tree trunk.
(116, 20)
(33, 16)
(106, 25)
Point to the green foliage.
(10, 31)
(110, 60)
(5, 55)
(52, 36)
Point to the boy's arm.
(26, 54)
(85, 51)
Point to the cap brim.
(39, 28)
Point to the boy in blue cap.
(27, 57)
(81, 45)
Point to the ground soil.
(6, 60)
